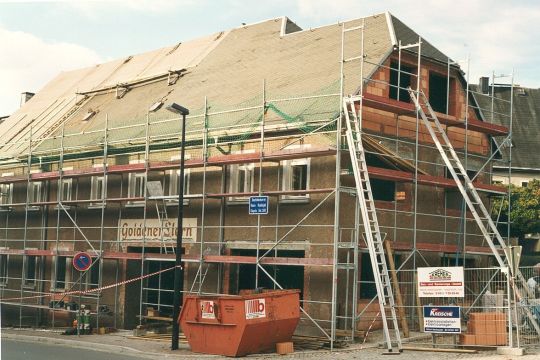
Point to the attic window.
(400, 80)
(156, 106)
(88, 115)
(521, 92)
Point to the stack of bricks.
(485, 329)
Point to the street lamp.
(178, 270)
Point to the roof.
(221, 71)
(408, 36)
(525, 122)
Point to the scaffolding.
(266, 139)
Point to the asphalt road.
(20, 350)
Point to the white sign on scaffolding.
(441, 282)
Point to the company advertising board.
(208, 309)
(442, 319)
(441, 282)
(255, 308)
(136, 230)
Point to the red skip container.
(239, 325)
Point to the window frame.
(234, 186)
(173, 175)
(94, 180)
(9, 187)
(32, 195)
(287, 177)
(132, 182)
(25, 283)
(67, 273)
(4, 269)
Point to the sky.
(39, 39)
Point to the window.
(399, 91)
(6, 194)
(97, 190)
(438, 92)
(383, 190)
(35, 194)
(524, 183)
(64, 189)
(241, 180)
(60, 274)
(137, 187)
(368, 289)
(6, 191)
(92, 275)
(3, 269)
(29, 270)
(174, 176)
(295, 176)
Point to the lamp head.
(178, 109)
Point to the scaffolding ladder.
(163, 217)
(372, 233)
(467, 189)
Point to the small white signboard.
(441, 282)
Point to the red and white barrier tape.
(82, 292)
(369, 329)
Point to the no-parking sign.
(82, 261)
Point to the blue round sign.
(82, 261)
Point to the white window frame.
(287, 177)
(4, 268)
(99, 203)
(234, 171)
(32, 191)
(132, 182)
(32, 283)
(67, 278)
(174, 175)
(6, 188)
(66, 183)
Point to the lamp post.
(178, 270)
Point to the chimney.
(484, 85)
(25, 96)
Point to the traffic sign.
(82, 261)
(258, 205)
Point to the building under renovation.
(91, 163)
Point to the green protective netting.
(306, 113)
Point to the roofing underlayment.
(225, 70)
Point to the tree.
(524, 211)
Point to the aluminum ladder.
(161, 209)
(466, 187)
(372, 234)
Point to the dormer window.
(400, 80)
